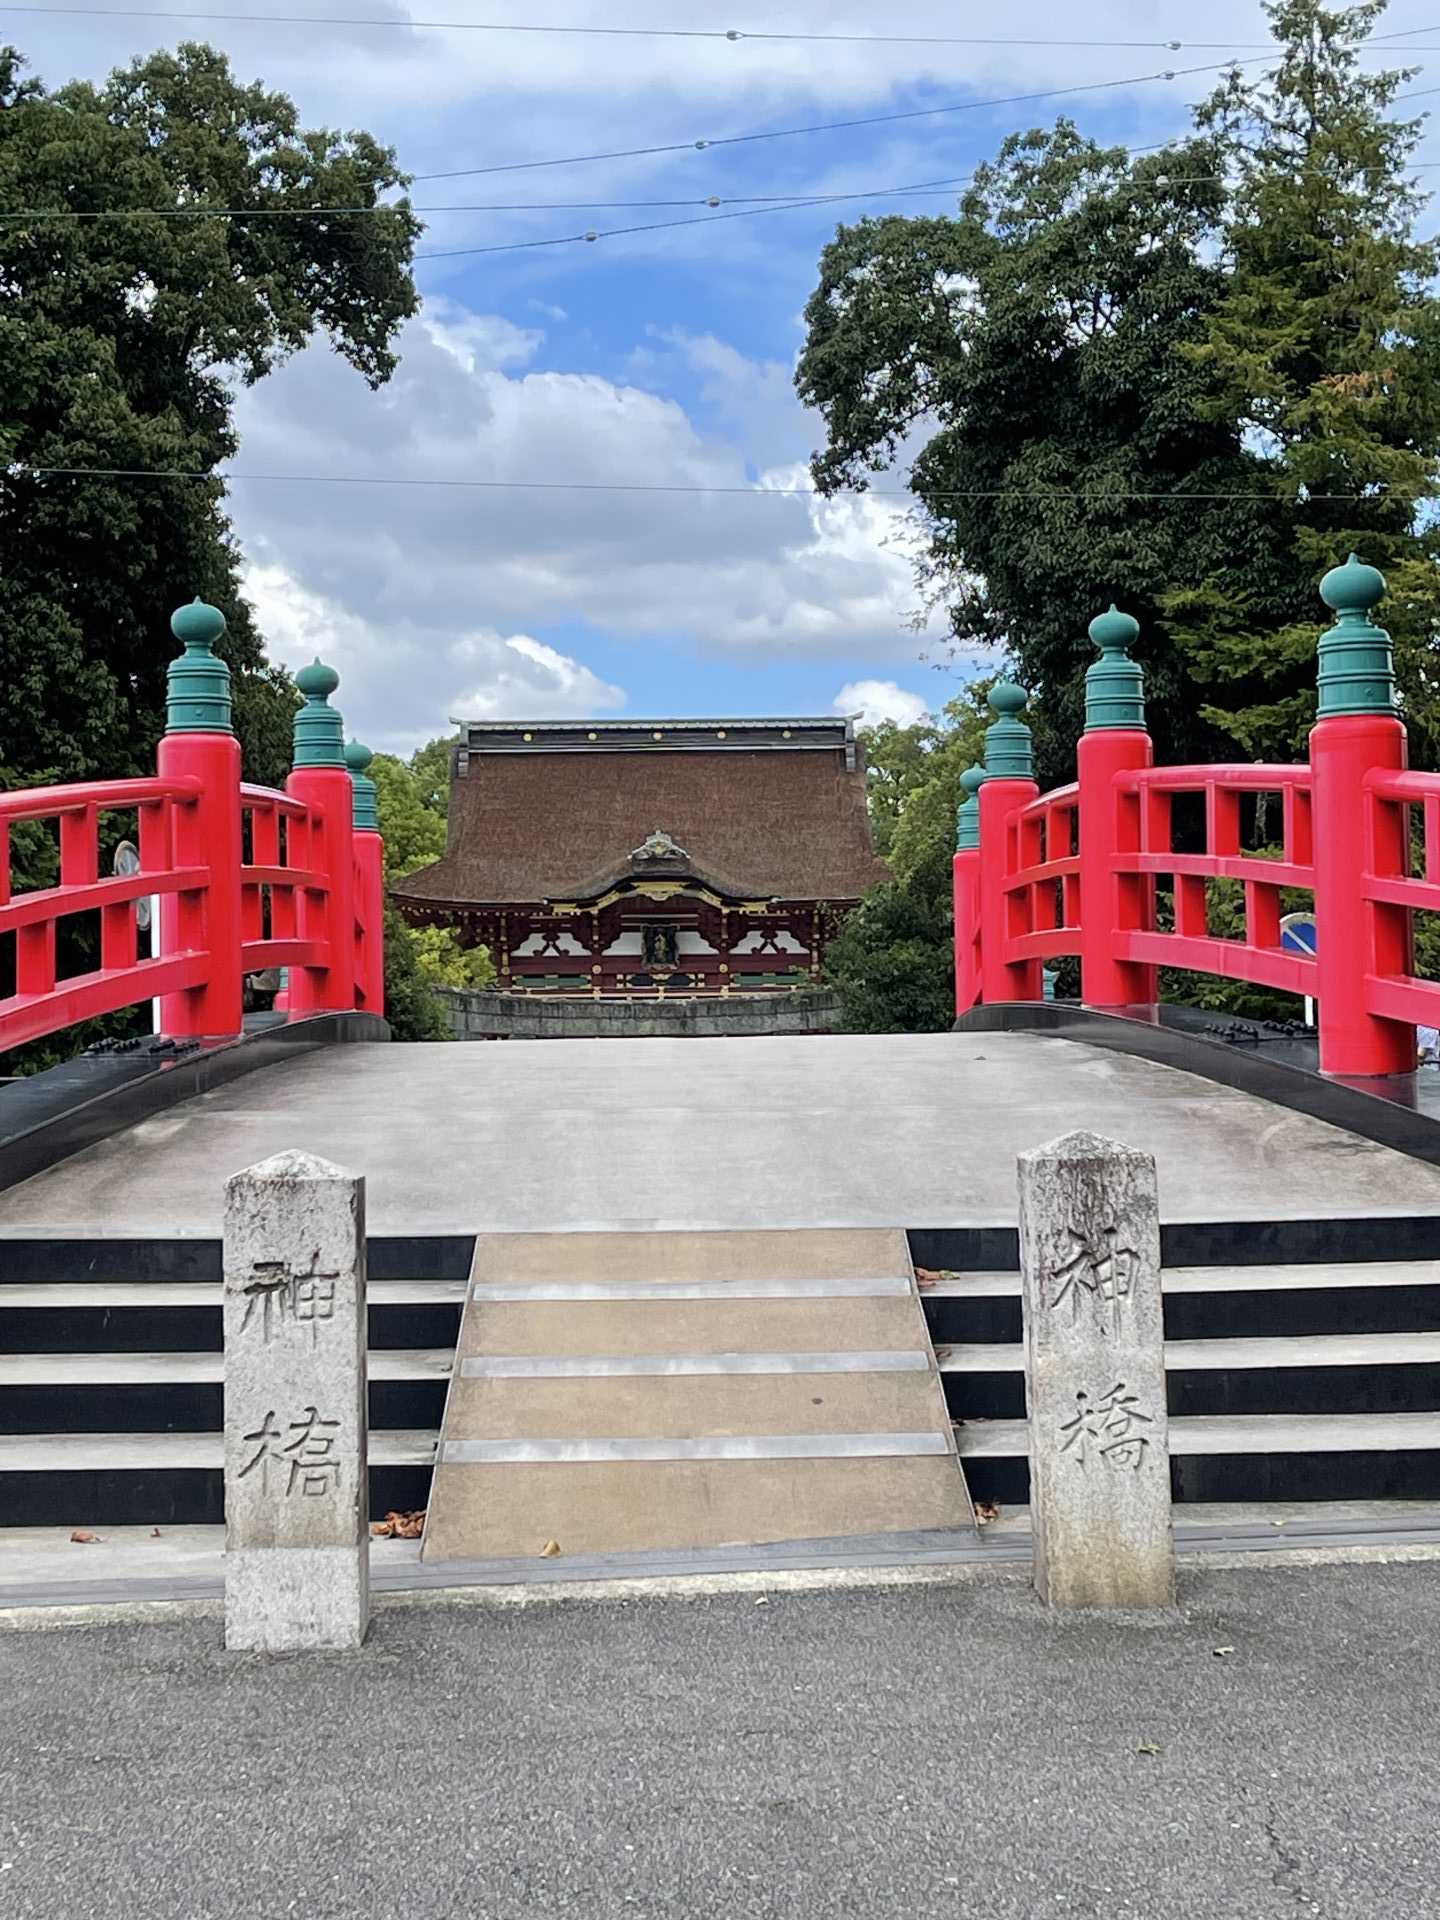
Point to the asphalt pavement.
(949, 1749)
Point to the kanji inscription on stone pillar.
(296, 1504)
(1095, 1375)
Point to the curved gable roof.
(754, 823)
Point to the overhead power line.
(839, 126)
(739, 205)
(801, 197)
(735, 35)
(1094, 497)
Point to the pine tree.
(1325, 350)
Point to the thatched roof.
(755, 810)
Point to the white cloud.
(401, 683)
(546, 683)
(478, 340)
(398, 576)
(496, 101)
(875, 700)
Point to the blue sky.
(663, 359)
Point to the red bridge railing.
(1119, 868)
(246, 878)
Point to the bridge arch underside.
(917, 1131)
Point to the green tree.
(1325, 348)
(414, 829)
(121, 333)
(412, 798)
(897, 761)
(411, 1007)
(891, 964)
(892, 960)
(445, 963)
(1022, 360)
(430, 765)
(1186, 380)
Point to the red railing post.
(1357, 731)
(965, 892)
(1114, 739)
(1009, 784)
(321, 779)
(199, 742)
(369, 884)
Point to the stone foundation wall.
(512, 1016)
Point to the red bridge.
(1119, 867)
(247, 878)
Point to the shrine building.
(642, 859)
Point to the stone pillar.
(1095, 1375)
(296, 1497)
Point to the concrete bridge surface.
(655, 1134)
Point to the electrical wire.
(1095, 497)
(840, 126)
(801, 197)
(734, 35)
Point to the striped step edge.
(167, 1452)
(1003, 1284)
(192, 1369)
(1231, 1353)
(1238, 1433)
(204, 1293)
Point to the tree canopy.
(127, 317)
(892, 960)
(1187, 380)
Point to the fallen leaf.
(1220, 1652)
(550, 1550)
(81, 1538)
(1147, 1746)
(399, 1526)
(926, 1277)
(986, 1510)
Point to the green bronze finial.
(1114, 686)
(319, 730)
(1007, 739)
(357, 759)
(1357, 671)
(198, 683)
(967, 816)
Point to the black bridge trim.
(52, 1115)
(1383, 1110)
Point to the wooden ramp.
(615, 1392)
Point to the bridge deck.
(919, 1130)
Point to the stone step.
(1239, 1433)
(1306, 1350)
(1002, 1284)
(166, 1452)
(189, 1369)
(624, 1391)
